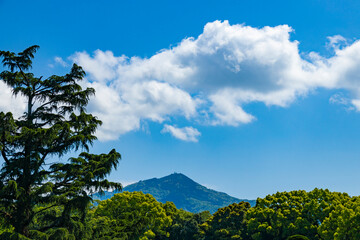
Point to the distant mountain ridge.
(183, 192)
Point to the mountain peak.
(184, 192)
(175, 174)
(177, 177)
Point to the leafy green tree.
(343, 222)
(130, 216)
(284, 214)
(5, 227)
(227, 223)
(185, 225)
(54, 123)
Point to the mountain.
(183, 192)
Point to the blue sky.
(206, 89)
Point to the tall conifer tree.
(54, 123)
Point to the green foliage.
(5, 227)
(54, 123)
(227, 223)
(285, 214)
(130, 216)
(319, 214)
(185, 225)
(13, 236)
(323, 214)
(343, 222)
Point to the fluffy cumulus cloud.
(60, 61)
(189, 134)
(121, 110)
(208, 79)
(10, 103)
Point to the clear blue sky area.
(311, 142)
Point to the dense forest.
(44, 199)
(318, 214)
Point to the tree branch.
(44, 209)
(6, 214)
(3, 154)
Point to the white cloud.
(227, 111)
(151, 100)
(10, 103)
(339, 98)
(216, 73)
(356, 103)
(188, 134)
(210, 78)
(335, 42)
(102, 67)
(60, 61)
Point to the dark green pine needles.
(39, 198)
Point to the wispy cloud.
(339, 98)
(335, 42)
(60, 61)
(189, 134)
